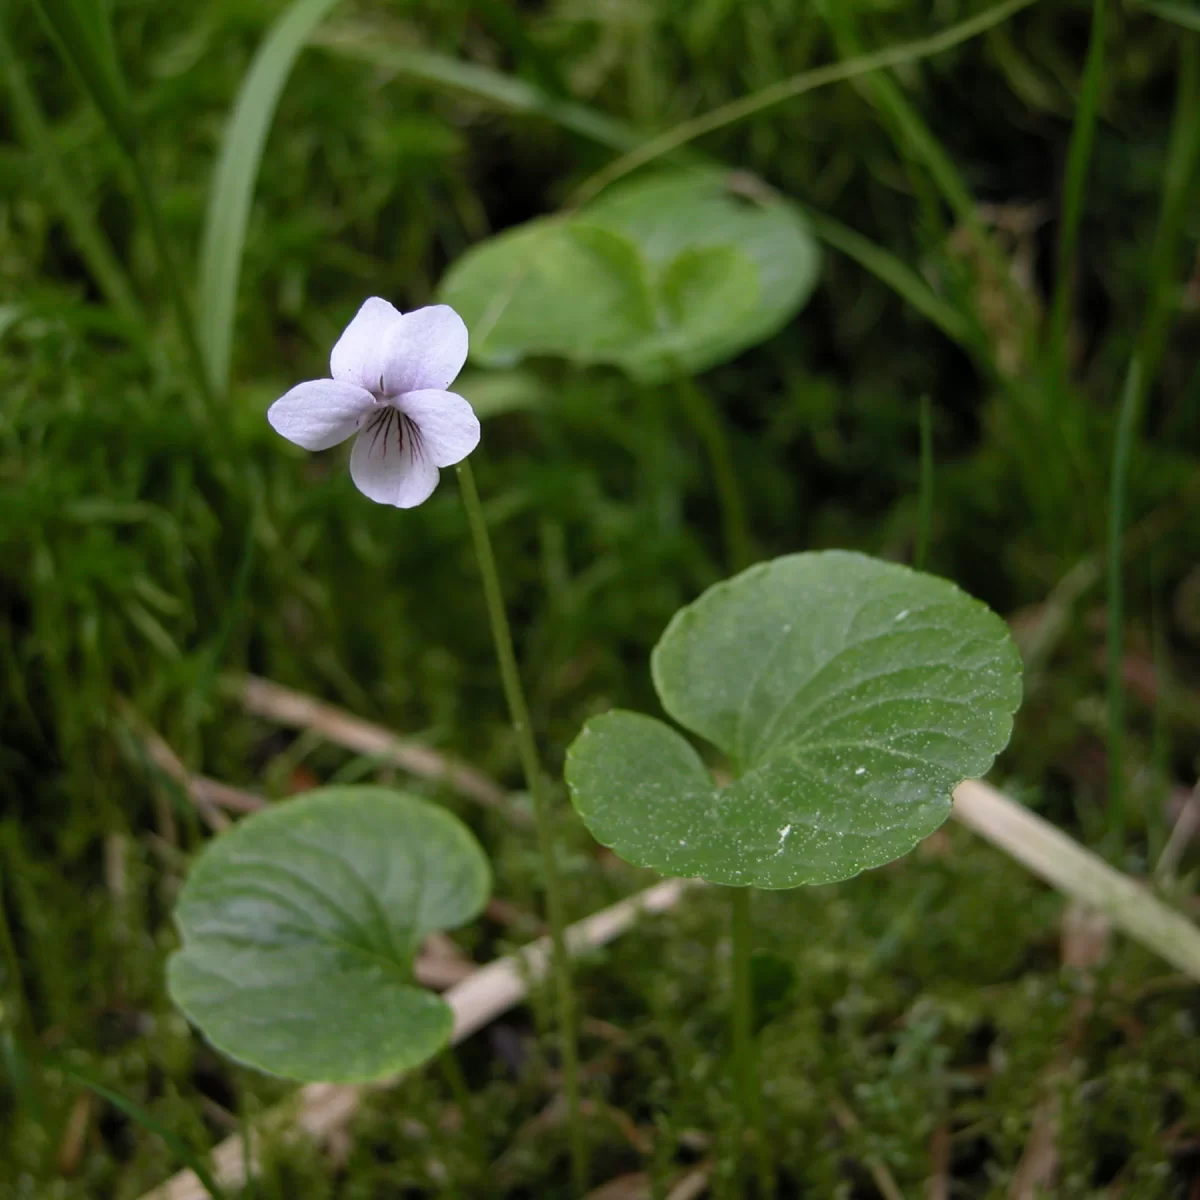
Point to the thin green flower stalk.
(535, 781)
(389, 374)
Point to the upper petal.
(320, 413)
(449, 428)
(359, 354)
(387, 466)
(425, 348)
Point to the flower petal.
(425, 348)
(447, 424)
(386, 463)
(358, 355)
(320, 413)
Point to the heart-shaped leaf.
(300, 926)
(666, 273)
(850, 696)
(552, 287)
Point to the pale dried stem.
(321, 1110)
(1066, 865)
(208, 795)
(269, 700)
(1182, 833)
(692, 1186)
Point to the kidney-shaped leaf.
(850, 696)
(688, 227)
(300, 925)
(665, 273)
(552, 287)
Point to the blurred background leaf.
(667, 274)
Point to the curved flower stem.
(745, 1056)
(535, 781)
(1126, 436)
(18, 1042)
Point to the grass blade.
(902, 279)
(796, 85)
(1183, 158)
(1083, 135)
(36, 133)
(1169, 10)
(194, 1162)
(925, 492)
(21, 1076)
(365, 44)
(80, 29)
(1118, 491)
(918, 140)
(235, 176)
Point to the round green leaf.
(300, 925)
(850, 696)
(674, 217)
(551, 287)
(665, 273)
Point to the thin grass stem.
(182, 1151)
(1083, 136)
(918, 140)
(36, 132)
(1179, 177)
(1117, 497)
(170, 269)
(789, 89)
(1183, 158)
(925, 487)
(705, 418)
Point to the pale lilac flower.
(390, 373)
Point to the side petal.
(426, 348)
(385, 466)
(447, 424)
(358, 355)
(320, 413)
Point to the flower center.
(393, 430)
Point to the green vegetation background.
(151, 544)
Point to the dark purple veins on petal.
(382, 427)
